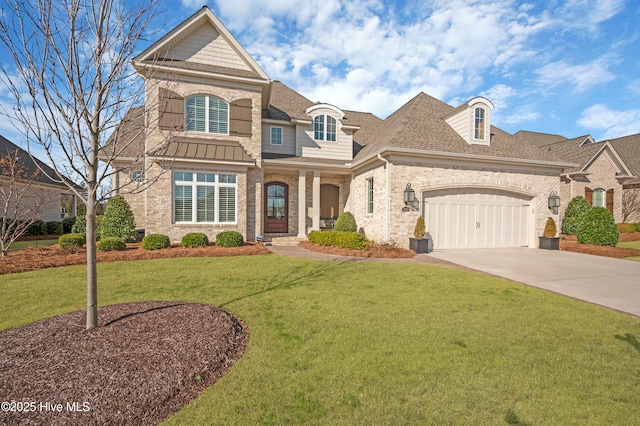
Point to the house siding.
(288, 146)
(307, 146)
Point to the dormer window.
(322, 133)
(480, 126)
(207, 114)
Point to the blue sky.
(563, 67)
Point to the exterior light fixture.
(554, 202)
(409, 194)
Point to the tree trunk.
(92, 276)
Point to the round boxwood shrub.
(71, 240)
(345, 223)
(195, 239)
(348, 240)
(67, 224)
(155, 242)
(598, 228)
(112, 243)
(54, 228)
(118, 220)
(575, 214)
(229, 239)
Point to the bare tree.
(630, 204)
(68, 69)
(22, 199)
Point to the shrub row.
(348, 240)
(624, 228)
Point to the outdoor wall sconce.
(409, 195)
(554, 202)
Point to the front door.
(276, 207)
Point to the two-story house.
(239, 151)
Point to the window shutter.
(240, 117)
(588, 194)
(171, 111)
(610, 200)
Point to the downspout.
(388, 187)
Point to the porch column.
(302, 204)
(316, 201)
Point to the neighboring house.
(242, 152)
(605, 171)
(59, 201)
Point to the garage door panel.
(471, 218)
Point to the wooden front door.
(276, 207)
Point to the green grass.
(376, 343)
(630, 244)
(20, 245)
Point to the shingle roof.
(628, 147)
(537, 138)
(286, 104)
(32, 166)
(214, 69)
(419, 125)
(127, 140)
(573, 150)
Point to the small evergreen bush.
(575, 214)
(598, 228)
(71, 240)
(155, 242)
(550, 228)
(195, 239)
(117, 220)
(345, 223)
(419, 230)
(229, 239)
(112, 243)
(37, 228)
(80, 225)
(623, 228)
(54, 228)
(67, 224)
(348, 240)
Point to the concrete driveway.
(605, 281)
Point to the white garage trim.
(478, 218)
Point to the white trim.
(325, 106)
(206, 114)
(271, 129)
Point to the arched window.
(479, 124)
(598, 197)
(207, 114)
(320, 133)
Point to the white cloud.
(581, 77)
(614, 123)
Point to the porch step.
(284, 240)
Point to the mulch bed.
(570, 243)
(377, 250)
(34, 258)
(143, 364)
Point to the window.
(479, 124)
(207, 114)
(213, 195)
(276, 136)
(370, 195)
(319, 133)
(598, 197)
(137, 176)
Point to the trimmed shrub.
(37, 228)
(420, 229)
(229, 239)
(54, 228)
(599, 228)
(345, 223)
(155, 242)
(112, 243)
(575, 214)
(71, 240)
(195, 239)
(348, 240)
(637, 226)
(67, 224)
(624, 228)
(550, 228)
(117, 220)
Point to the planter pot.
(419, 246)
(549, 243)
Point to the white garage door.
(476, 218)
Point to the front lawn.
(630, 244)
(21, 245)
(375, 343)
